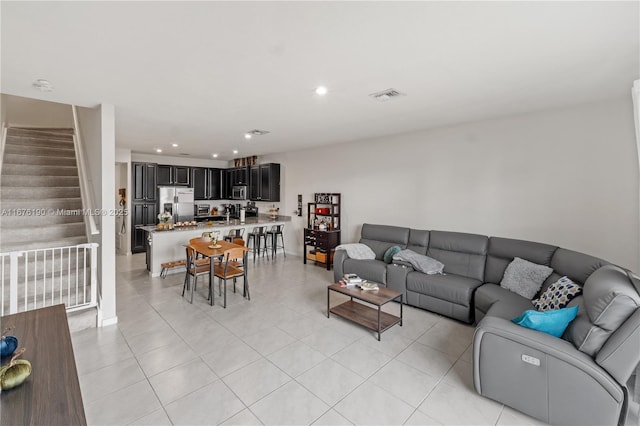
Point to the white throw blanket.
(357, 251)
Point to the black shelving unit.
(322, 234)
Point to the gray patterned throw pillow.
(524, 278)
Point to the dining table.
(207, 249)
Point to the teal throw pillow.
(391, 251)
(550, 322)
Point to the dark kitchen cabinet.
(143, 214)
(144, 181)
(206, 183)
(225, 184)
(264, 182)
(239, 176)
(173, 175)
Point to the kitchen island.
(169, 245)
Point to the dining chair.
(194, 270)
(273, 233)
(200, 259)
(234, 233)
(257, 236)
(231, 267)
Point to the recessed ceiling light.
(321, 90)
(247, 135)
(175, 145)
(158, 150)
(43, 85)
(215, 155)
(235, 151)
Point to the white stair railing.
(33, 279)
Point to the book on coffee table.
(367, 286)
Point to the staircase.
(40, 180)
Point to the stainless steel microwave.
(239, 192)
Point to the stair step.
(36, 160)
(31, 170)
(21, 193)
(35, 181)
(43, 203)
(48, 232)
(42, 131)
(51, 142)
(40, 244)
(37, 150)
(10, 220)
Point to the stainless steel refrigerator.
(177, 201)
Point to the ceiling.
(201, 74)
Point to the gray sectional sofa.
(577, 379)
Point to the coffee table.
(371, 318)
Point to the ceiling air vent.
(257, 132)
(185, 154)
(385, 95)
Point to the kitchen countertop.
(167, 246)
(260, 220)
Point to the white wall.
(97, 131)
(178, 161)
(36, 113)
(567, 177)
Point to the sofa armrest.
(542, 343)
(339, 257)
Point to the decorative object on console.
(8, 344)
(551, 322)
(524, 278)
(558, 295)
(16, 372)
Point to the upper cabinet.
(206, 183)
(264, 182)
(144, 181)
(174, 175)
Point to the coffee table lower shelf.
(366, 316)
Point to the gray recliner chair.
(578, 379)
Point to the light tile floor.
(276, 359)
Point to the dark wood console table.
(51, 395)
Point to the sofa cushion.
(450, 287)
(418, 241)
(609, 298)
(551, 322)
(576, 266)
(372, 270)
(524, 278)
(391, 251)
(489, 295)
(462, 254)
(557, 295)
(380, 237)
(503, 250)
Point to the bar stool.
(234, 233)
(257, 235)
(273, 237)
